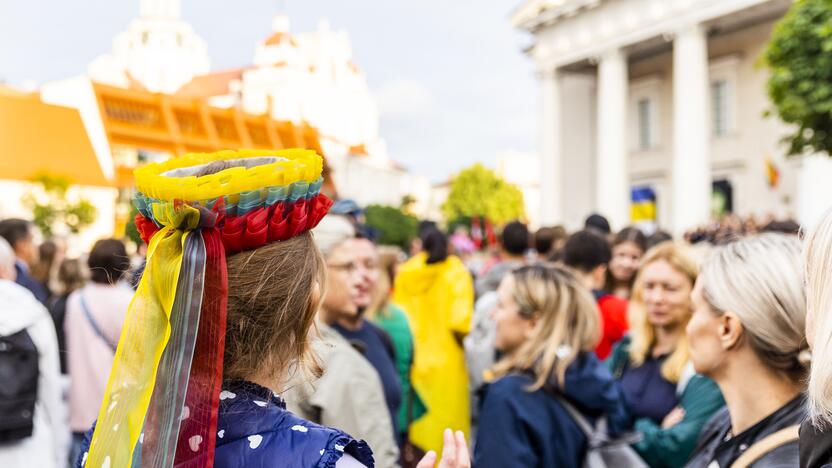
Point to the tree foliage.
(478, 192)
(130, 230)
(799, 56)
(53, 210)
(394, 225)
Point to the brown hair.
(272, 303)
(70, 275)
(43, 269)
(628, 234)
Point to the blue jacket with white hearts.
(254, 429)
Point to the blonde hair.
(760, 279)
(568, 323)
(817, 255)
(642, 332)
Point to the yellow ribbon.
(143, 339)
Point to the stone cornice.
(594, 29)
(535, 14)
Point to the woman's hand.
(454, 453)
(673, 418)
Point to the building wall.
(520, 169)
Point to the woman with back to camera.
(669, 401)
(221, 321)
(436, 291)
(747, 333)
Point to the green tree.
(799, 56)
(51, 208)
(394, 225)
(130, 230)
(478, 192)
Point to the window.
(719, 101)
(644, 113)
(645, 124)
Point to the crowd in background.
(690, 355)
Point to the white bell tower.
(160, 9)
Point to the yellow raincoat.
(439, 300)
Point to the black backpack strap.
(94, 324)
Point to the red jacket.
(613, 321)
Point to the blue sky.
(452, 84)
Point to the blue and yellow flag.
(643, 206)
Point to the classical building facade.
(666, 97)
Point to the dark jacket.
(716, 442)
(521, 429)
(25, 279)
(254, 429)
(815, 446)
(698, 396)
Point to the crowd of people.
(356, 354)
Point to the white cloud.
(404, 99)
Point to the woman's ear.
(730, 331)
(531, 324)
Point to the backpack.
(18, 386)
(603, 451)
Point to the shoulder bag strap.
(576, 416)
(766, 445)
(94, 324)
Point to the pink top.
(89, 357)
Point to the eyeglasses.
(352, 267)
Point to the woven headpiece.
(160, 405)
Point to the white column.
(612, 173)
(551, 157)
(691, 187)
(814, 192)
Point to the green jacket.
(698, 396)
(393, 320)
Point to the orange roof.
(36, 137)
(279, 37)
(211, 84)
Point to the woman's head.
(435, 245)
(388, 261)
(70, 275)
(273, 295)
(48, 256)
(749, 297)
(352, 273)
(108, 261)
(544, 318)
(628, 247)
(661, 299)
(817, 255)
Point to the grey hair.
(331, 232)
(760, 279)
